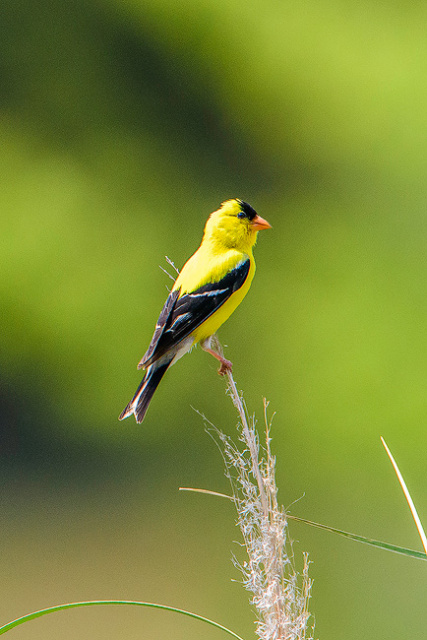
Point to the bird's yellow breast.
(208, 265)
(213, 323)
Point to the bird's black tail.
(142, 398)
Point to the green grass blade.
(407, 495)
(91, 603)
(352, 536)
(373, 543)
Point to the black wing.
(181, 316)
(161, 326)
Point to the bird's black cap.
(249, 211)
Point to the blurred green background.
(122, 126)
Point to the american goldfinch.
(212, 283)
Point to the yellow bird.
(211, 285)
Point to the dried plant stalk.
(279, 594)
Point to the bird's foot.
(226, 367)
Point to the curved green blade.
(74, 605)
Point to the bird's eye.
(241, 214)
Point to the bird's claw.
(226, 367)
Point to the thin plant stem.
(238, 403)
(407, 495)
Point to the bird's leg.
(226, 365)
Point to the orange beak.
(259, 223)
